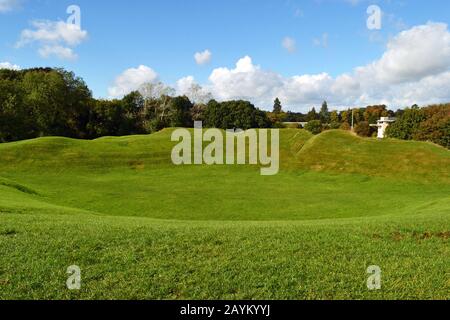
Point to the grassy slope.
(340, 204)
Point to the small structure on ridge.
(382, 125)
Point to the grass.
(141, 228)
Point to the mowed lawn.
(141, 228)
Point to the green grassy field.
(141, 228)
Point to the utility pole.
(353, 119)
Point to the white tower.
(382, 125)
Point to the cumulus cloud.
(8, 5)
(8, 65)
(289, 44)
(55, 38)
(60, 52)
(202, 58)
(411, 55)
(245, 81)
(184, 85)
(187, 86)
(415, 68)
(132, 79)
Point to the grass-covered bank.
(141, 228)
(135, 258)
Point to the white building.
(382, 125)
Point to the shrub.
(345, 126)
(363, 129)
(335, 125)
(315, 126)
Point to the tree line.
(54, 102)
(431, 123)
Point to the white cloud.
(414, 69)
(184, 85)
(60, 52)
(132, 79)
(245, 81)
(8, 5)
(189, 87)
(289, 44)
(413, 54)
(8, 65)
(202, 58)
(54, 38)
(53, 32)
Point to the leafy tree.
(324, 114)
(277, 119)
(77, 100)
(277, 107)
(157, 97)
(334, 120)
(312, 115)
(315, 126)
(373, 113)
(44, 98)
(345, 126)
(294, 117)
(363, 129)
(261, 119)
(52, 102)
(44, 101)
(234, 114)
(346, 116)
(436, 128)
(198, 95)
(198, 112)
(14, 119)
(179, 114)
(407, 126)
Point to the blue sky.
(331, 37)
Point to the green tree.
(15, 122)
(42, 102)
(334, 120)
(407, 126)
(436, 127)
(277, 107)
(315, 126)
(234, 115)
(107, 118)
(345, 126)
(179, 114)
(346, 116)
(312, 115)
(133, 114)
(373, 113)
(324, 114)
(363, 129)
(198, 112)
(157, 98)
